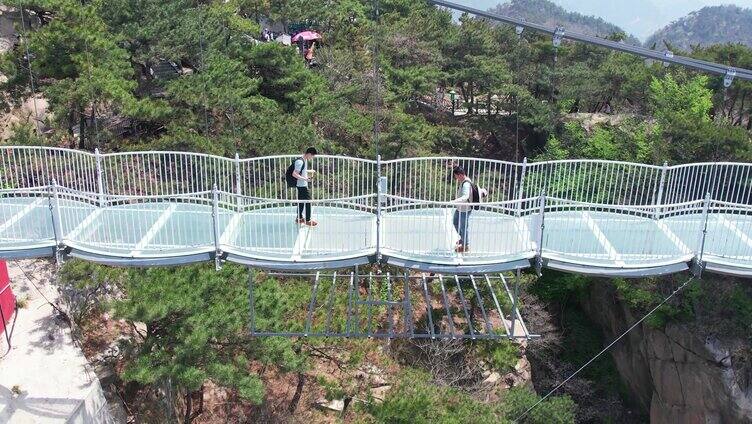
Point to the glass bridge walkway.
(169, 208)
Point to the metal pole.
(100, 179)
(542, 215)
(521, 187)
(700, 262)
(250, 301)
(659, 199)
(56, 223)
(514, 303)
(215, 225)
(379, 200)
(238, 189)
(408, 309)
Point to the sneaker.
(311, 223)
(300, 221)
(462, 249)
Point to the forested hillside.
(123, 75)
(552, 15)
(705, 27)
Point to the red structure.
(7, 300)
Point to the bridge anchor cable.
(605, 349)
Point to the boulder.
(379, 393)
(337, 405)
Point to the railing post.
(658, 201)
(238, 186)
(100, 177)
(57, 227)
(250, 301)
(521, 187)
(700, 253)
(215, 228)
(542, 217)
(379, 200)
(515, 295)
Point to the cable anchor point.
(729, 78)
(668, 54)
(558, 36)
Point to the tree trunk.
(741, 110)
(190, 414)
(298, 393)
(81, 130)
(93, 123)
(188, 409)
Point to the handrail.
(452, 158)
(370, 161)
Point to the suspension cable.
(688, 62)
(605, 349)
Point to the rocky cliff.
(680, 373)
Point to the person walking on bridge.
(300, 174)
(467, 193)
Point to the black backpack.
(474, 196)
(292, 182)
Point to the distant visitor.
(297, 176)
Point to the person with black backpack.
(297, 176)
(468, 192)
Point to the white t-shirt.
(303, 171)
(464, 193)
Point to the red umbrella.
(306, 35)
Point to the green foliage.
(415, 400)
(24, 135)
(691, 99)
(197, 329)
(502, 355)
(558, 287)
(741, 304)
(643, 295)
(555, 410)
(332, 389)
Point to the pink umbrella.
(307, 36)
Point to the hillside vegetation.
(705, 27)
(552, 15)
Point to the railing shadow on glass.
(431, 231)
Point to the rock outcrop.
(675, 373)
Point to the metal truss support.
(251, 303)
(454, 307)
(215, 229)
(57, 226)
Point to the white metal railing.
(599, 213)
